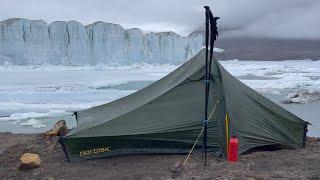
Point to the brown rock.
(60, 128)
(29, 161)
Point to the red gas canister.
(233, 149)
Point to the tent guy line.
(196, 141)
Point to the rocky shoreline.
(259, 164)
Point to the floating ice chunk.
(4, 119)
(52, 113)
(137, 67)
(6, 64)
(5, 60)
(302, 97)
(16, 122)
(30, 115)
(34, 123)
(218, 50)
(18, 116)
(105, 84)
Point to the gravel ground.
(271, 164)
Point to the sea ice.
(34, 123)
(302, 97)
(47, 88)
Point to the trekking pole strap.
(213, 37)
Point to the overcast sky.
(271, 18)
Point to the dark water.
(309, 112)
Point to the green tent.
(166, 117)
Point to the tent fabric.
(166, 117)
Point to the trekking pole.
(213, 36)
(206, 80)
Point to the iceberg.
(302, 97)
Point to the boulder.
(29, 161)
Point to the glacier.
(34, 42)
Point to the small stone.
(176, 171)
(29, 161)
(178, 164)
(36, 173)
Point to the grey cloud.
(270, 18)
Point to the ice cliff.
(30, 42)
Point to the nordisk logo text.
(94, 151)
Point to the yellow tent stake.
(227, 133)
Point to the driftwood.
(59, 129)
